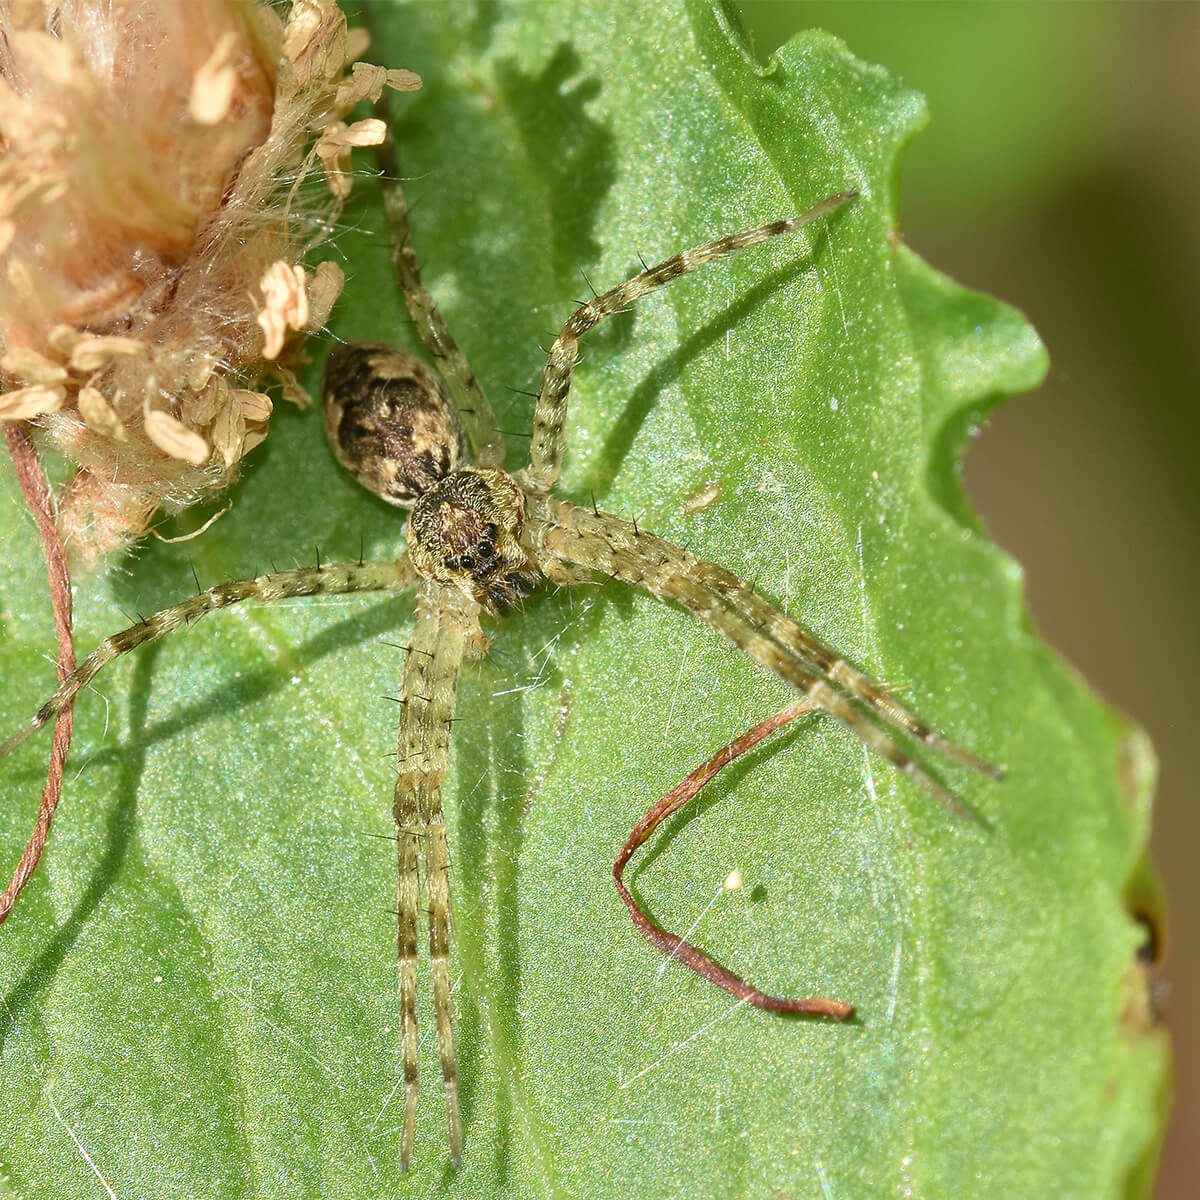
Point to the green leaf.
(199, 986)
(1002, 139)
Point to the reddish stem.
(676, 947)
(36, 490)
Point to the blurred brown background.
(1060, 172)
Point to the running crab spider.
(480, 539)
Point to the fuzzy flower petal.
(285, 305)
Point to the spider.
(480, 540)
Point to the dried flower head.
(153, 215)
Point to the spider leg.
(487, 446)
(550, 412)
(606, 543)
(446, 625)
(326, 579)
(832, 665)
(671, 944)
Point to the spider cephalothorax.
(479, 539)
(466, 531)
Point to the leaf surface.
(199, 987)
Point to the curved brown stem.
(676, 947)
(36, 490)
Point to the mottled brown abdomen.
(390, 421)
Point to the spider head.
(466, 530)
(390, 421)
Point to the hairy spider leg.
(831, 664)
(614, 547)
(445, 621)
(326, 579)
(671, 944)
(487, 445)
(550, 411)
(549, 442)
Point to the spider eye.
(390, 421)
(466, 530)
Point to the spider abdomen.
(390, 421)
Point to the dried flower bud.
(151, 227)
